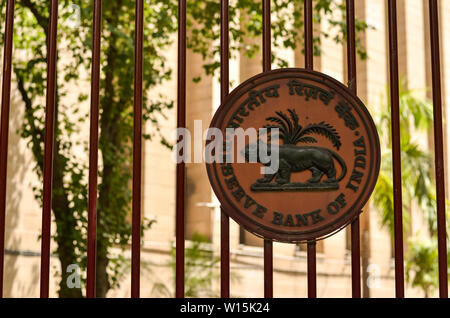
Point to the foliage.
(199, 271)
(31, 37)
(417, 169)
(418, 185)
(423, 265)
(116, 123)
(245, 16)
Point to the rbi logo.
(313, 164)
(296, 158)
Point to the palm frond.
(289, 127)
(297, 127)
(294, 116)
(281, 131)
(276, 120)
(307, 139)
(284, 130)
(323, 129)
(287, 121)
(292, 133)
(270, 133)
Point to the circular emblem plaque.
(314, 162)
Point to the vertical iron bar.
(267, 54)
(267, 40)
(48, 149)
(4, 129)
(224, 255)
(224, 89)
(356, 258)
(268, 269)
(351, 47)
(137, 150)
(93, 150)
(351, 63)
(309, 64)
(311, 256)
(396, 152)
(438, 148)
(181, 123)
(308, 35)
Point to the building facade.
(22, 260)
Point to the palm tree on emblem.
(295, 158)
(291, 133)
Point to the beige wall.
(203, 214)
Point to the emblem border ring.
(350, 213)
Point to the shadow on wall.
(21, 271)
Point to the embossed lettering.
(277, 218)
(315, 216)
(231, 182)
(344, 111)
(255, 98)
(333, 208)
(248, 202)
(341, 200)
(356, 177)
(289, 221)
(260, 211)
(360, 162)
(301, 218)
(238, 194)
(227, 170)
(337, 204)
(309, 91)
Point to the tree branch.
(35, 133)
(40, 18)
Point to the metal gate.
(181, 122)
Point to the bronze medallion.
(328, 156)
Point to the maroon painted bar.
(48, 149)
(266, 37)
(181, 123)
(268, 269)
(309, 64)
(351, 66)
(438, 148)
(93, 150)
(308, 34)
(396, 151)
(4, 128)
(137, 151)
(311, 268)
(267, 53)
(356, 258)
(224, 90)
(224, 255)
(351, 45)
